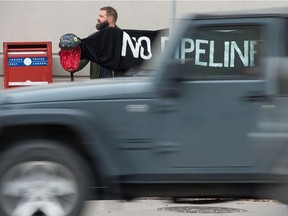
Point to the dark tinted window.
(230, 52)
(283, 67)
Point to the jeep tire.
(42, 177)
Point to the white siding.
(48, 20)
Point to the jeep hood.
(115, 88)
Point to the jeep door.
(220, 87)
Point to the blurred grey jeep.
(207, 118)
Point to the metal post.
(72, 76)
(174, 9)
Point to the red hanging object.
(70, 58)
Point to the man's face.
(102, 20)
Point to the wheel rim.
(32, 187)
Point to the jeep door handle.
(164, 105)
(256, 97)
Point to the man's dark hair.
(110, 11)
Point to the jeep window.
(282, 77)
(221, 52)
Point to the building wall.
(48, 20)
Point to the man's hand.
(69, 41)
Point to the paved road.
(148, 207)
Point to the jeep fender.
(91, 131)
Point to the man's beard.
(102, 25)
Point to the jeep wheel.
(42, 178)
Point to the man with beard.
(103, 48)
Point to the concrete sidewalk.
(148, 207)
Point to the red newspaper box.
(27, 63)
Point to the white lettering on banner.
(243, 56)
(211, 56)
(226, 53)
(231, 51)
(201, 49)
(148, 45)
(135, 50)
(138, 48)
(253, 52)
(185, 49)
